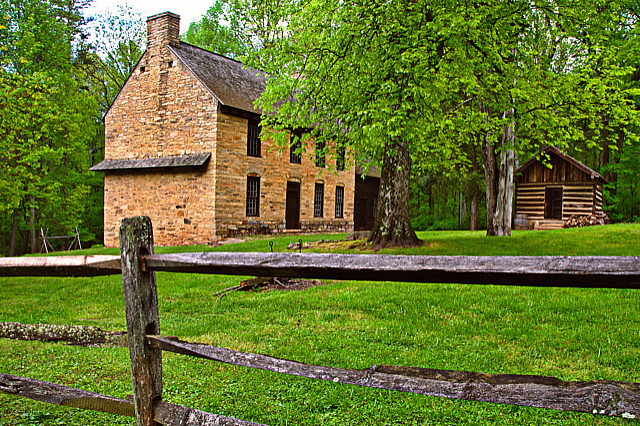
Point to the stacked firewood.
(578, 221)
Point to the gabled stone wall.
(162, 111)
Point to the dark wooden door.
(553, 203)
(359, 214)
(293, 205)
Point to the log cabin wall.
(579, 187)
(597, 200)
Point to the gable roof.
(550, 149)
(227, 80)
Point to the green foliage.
(622, 199)
(221, 30)
(119, 42)
(449, 75)
(47, 120)
(574, 334)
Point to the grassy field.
(574, 334)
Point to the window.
(320, 154)
(339, 201)
(318, 200)
(295, 147)
(253, 196)
(253, 139)
(340, 160)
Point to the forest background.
(59, 73)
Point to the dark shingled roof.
(594, 175)
(153, 163)
(228, 80)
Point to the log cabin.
(552, 186)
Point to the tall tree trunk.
(25, 243)
(14, 233)
(490, 164)
(463, 207)
(604, 162)
(499, 169)
(32, 225)
(392, 224)
(474, 191)
(504, 199)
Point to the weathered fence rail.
(164, 413)
(541, 271)
(612, 398)
(60, 266)
(538, 271)
(138, 265)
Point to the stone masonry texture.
(163, 111)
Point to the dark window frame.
(341, 158)
(339, 202)
(318, 200)
(320, 160)
(253, 196)
(295, 145)
(254, 144)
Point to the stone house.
(182, 146)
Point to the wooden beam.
(73, 334)
(143, 317)
(164, 412)
(610, 398)
(542, 271)
(171, 414)
(60, 266)
(53, 393)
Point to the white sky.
(189, 10)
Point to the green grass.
(574, 334)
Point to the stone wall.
(162, 111)
(274, 169)
(178, 204)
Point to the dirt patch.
(331, 245)
(291, 284)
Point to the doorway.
(292, 215)
(553, 203)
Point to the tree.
(353, 74)
(45, 120)
(238, 28)
(523, 74)
(117, 46)
(397, 80)
(220, 30)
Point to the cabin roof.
(550, 149)
(229, 81)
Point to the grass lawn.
(574, 334)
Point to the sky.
(189, 10)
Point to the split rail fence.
(138, 265)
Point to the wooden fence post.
(141, 303)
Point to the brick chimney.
(162, 29)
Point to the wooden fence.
(138, 265)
